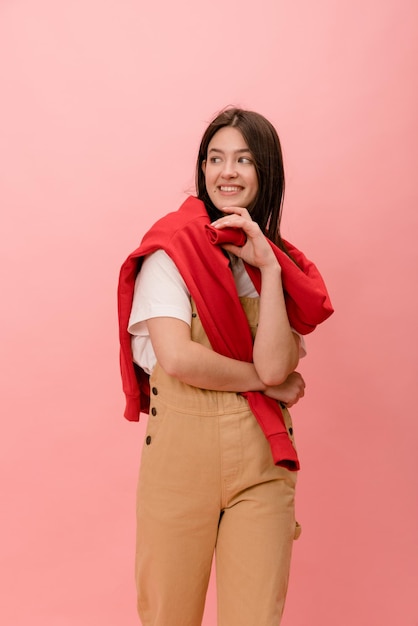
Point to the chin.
(219, 203)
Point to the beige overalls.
(208, 485)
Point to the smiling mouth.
(229, 188)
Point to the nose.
(229, 169)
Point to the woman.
(209, 323)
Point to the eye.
(215, 159)
(245, 160)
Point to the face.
(230, 174)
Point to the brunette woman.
(216, 304)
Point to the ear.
(204, 166)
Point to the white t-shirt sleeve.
(160, 291)
(302, 344)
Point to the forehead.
(228, 139)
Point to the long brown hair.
(264, 144)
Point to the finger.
(237, 221)
(229, 220)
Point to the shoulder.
(158, 264)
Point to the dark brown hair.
(264, 144)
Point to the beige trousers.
(208, 485)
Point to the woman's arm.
(199, 366)
(195, 364)
(276, 347)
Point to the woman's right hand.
(256, 251)
(289, 392)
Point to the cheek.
(255, 185)
(209, 178)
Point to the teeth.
(230, 188)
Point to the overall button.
(154, 391)
(153, 411)
(148, 440)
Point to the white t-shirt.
(160, 291)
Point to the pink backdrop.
(102, 107)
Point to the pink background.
(103, 104)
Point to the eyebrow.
(239, 151)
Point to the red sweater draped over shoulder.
(194, 246)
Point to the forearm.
(276, 347)
(197, 365)
(201, 367)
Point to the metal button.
(154, 391)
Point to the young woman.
(213, 299)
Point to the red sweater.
(186, 236)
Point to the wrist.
(271, 267)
